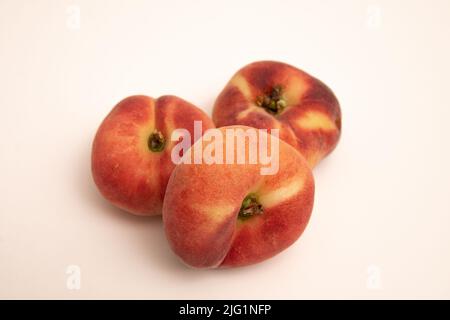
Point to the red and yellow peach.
(269, 94)
(131, 153)
(228, 214)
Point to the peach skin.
(269, 94)
(131, 153)
(229, 214)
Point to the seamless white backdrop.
(380, 225)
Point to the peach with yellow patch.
(229, 215)
(131, 154)
(269, 94)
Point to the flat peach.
(229, 214)
(131, 153)
(269, 94)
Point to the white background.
(380, 225)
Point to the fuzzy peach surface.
(202, 203)
(310, 121)
(125, 170)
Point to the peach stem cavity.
(156, 141)
(273, 101)
(250, 207)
